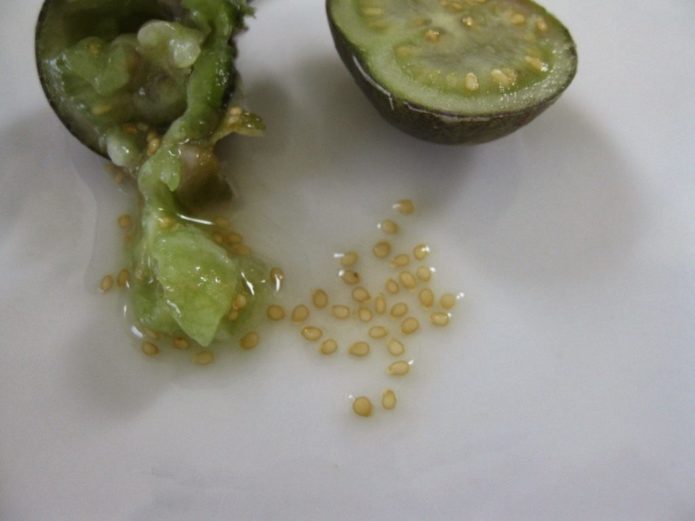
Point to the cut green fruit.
(454, 71)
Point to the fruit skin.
(448, 128)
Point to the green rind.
(448, 128)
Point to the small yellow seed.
(359, 294)
(240, 249)
(410, 325)
(124, 221)
(378, 332)
(180, 342)
(467, 21)
(388, 399)
(423, 273)
(382, 249)
(239, 301)
(541, 25)
(328, 347)
(300, 313)
(380, 304)
(389, 226)
(392, 286)
(432, 35)
(233, 315)
(320, 299)
(447, 301)
(101, 108)
(106, 283)
(405, 206)
(218, 238)
(275, 312)
(364, 314)
(518, 19)
(359, 349)
(165, 222)
(471, 82)
(536, 63)
(350, 277)
(249, 340)
(153, 145)
(399, 309)
(348, 259)
(426, 297)
(362, 406)
(340, 311)
(500, 78)
(277, 278)
(456, 6)
(312, 333)
(203, 358)
(400, 261)
(150, 349)
(222, 222)
(399, 368)
(234, 238)
(396, 348)
(407, 279)
(123, 278)
(421, 251)
(372, 11)
(439, 319)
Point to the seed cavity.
(275, 312)
(399, 368)
(359, 349)
(320, 298)
(300, 313)
(328, 347)
(378, 332)
(362, 406)
(410, 325)
(388, 399)
(249, 340)
(204, 358)
(312, 333)
(382, 249)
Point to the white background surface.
(565, 391)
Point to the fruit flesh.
(459, 57)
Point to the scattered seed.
(349, 259)
(153, 145)
(405, 206)
(233, 315)
(222, 222)
(124, 221)
(149, 348)
(447, 301)
(439, 319)
(234, 238)
(240, 249)
(101, 108)
(421, 251)
(541, 25)
(300, 313)
(362, 406)
(518, 19)
(372, 11)
(328, 347)
(471, 82)
(407, 279)
(380, 304)
(423, 273)
(312, 333)
(320, 299)
(275, 312)
(400, 261)
(392, 286)
(123, 278)
(364, 314)
(399, 368)
(203, 358)
(400, 309)
(410, 325)
(218, 238)
(389, 226)
(359, 294)
(340, 311)
(432, 36)
(536, 63)
(378, 332)
(500, 78)
(359, 349)
(180, 342)
(278, 278)
(239, 301)
(350, 277)
(388, 399)
(165, 222)
(106, 283)
(467, 21)
(426, 297)
(249, 340)
(396, 348)
(382, 249)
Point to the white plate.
(564, 390)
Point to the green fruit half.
(454, 71)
